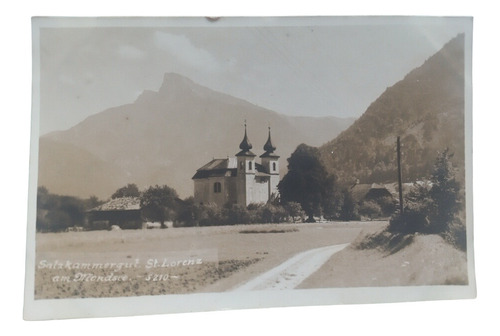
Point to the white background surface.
(444, 317)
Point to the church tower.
(246, 170)
(271, 165)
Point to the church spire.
(269, 147)
(245, 145)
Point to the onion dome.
(269, 147)
(245, 145)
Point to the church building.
(240, 179)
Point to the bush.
(295, 211)
(387, 205)
(56, 213)
(433, 208)
(415, 218)
(273, 214)
(409, 222)
(237, 214)
(210, 215)
(370, 209)
(457, 235)
(349, 209)
(188, 214)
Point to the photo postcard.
(209, 163)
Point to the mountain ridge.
(425, 108)
(164, 136)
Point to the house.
(367, 192)
(369, 195)
(240, 179)
(124, 212)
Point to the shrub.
(349, 209)
(370, 209)
(211, 214)
(433, 208)
(57, 213)
(273, 214)
(415, 218)
(457, 235)
(295, 211)
(188, 214)
(387, 205)
(237, 214)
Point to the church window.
(217, 187)
(249, 165)
(274, 166)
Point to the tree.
(432, 208)
(57, 213)
(295, 211)
(349, 208)
(92, 202)
(307, 181)
(445, 193)
(159, 203)
(130, 190)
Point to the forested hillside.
(426, 109)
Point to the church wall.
(204, 190)
(257, 189)
(273, 184)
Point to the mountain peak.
(172, 79)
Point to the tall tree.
(159, 203)
(307, 181)
(349, 208)
(445, 192)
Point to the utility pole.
(400, 178)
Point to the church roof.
(269, 148)
(271, 155)
(217, 167)
(261, 170)
(245, 146)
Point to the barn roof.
(359, 191)
(122, 203)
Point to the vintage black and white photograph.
(211, 163)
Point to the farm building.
(375, 200)
(123, 212)
(240, 179)
(366, 192)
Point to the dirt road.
(292, 272)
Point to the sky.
(316, 66)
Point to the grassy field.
(216, 259)
(377, 260)
(173, 261)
